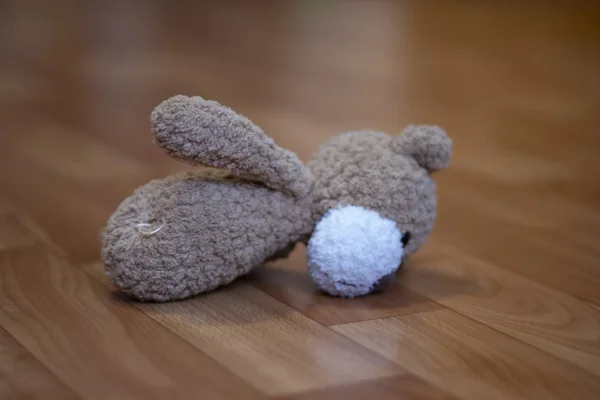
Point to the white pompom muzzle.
(352, 249)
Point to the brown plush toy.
(365, 201)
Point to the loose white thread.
(146, 229)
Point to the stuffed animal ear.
(428, 145)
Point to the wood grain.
(290, 283)
(101, 346)
(72, 214)
(545, 318)
(573, 223)
(237, 329)
(469, 359)
(14, 233)
(77, 157)
(405, 386)
(488, 236)
(23, 377)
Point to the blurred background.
(516, 84)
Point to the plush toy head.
(375, 203)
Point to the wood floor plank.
(560, 216)
(543, 317)
(19, 230)
(100, 345)
(405, 387)
(471, 360)
(272, 346)
(69, 153)
(73, 214)
(288, 281)
(14, 233)
(512, 247)
(23, 377)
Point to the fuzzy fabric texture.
(207, 228)
(428, 145)
(389, 175)
(214, 228)
(188, 234)
(380, 172)
(352, 249)
(207, 133)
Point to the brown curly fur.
(381, 173)
(217, 225)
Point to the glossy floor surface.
(503, 302)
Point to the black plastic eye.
(405, 238)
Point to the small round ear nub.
(427, 144)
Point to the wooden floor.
(503, 302)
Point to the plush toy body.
(368, 202)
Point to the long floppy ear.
(427, 144)
(207, 133)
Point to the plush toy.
(365, 201)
